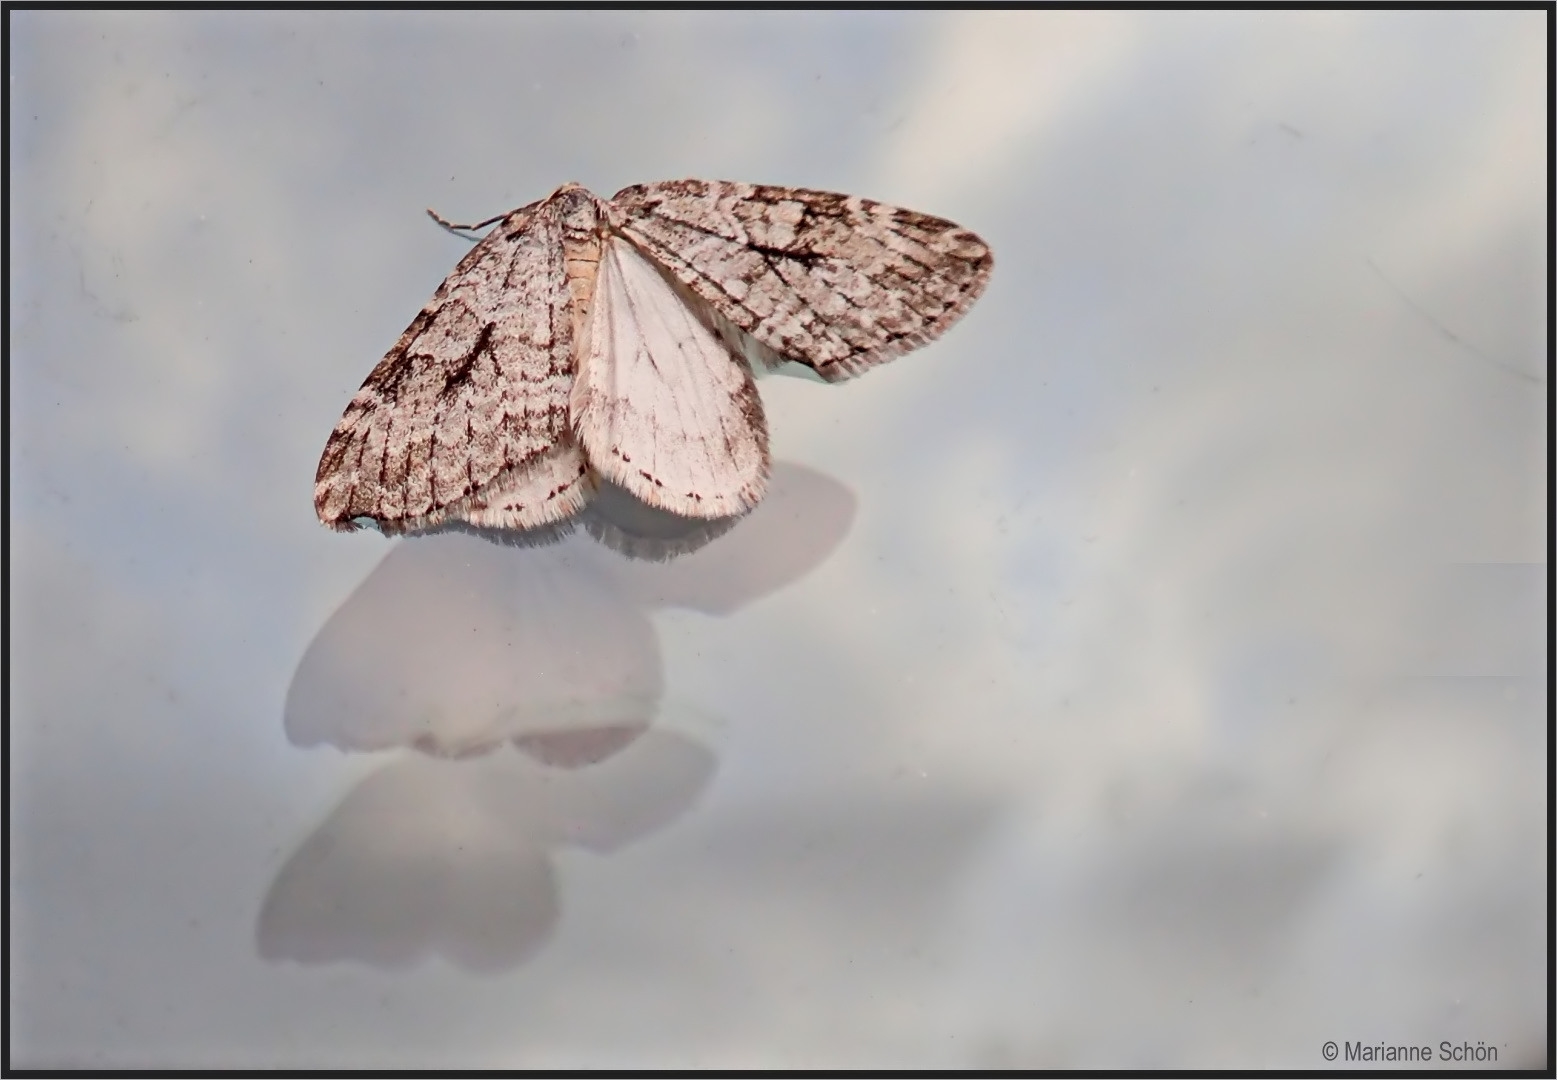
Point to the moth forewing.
(473, 396)
(836, 282)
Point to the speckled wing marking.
(660, 404)
(583, 339)
(833, 281)
(467, 416)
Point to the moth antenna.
(447, 224)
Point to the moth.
(586, 339)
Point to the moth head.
(577, 208)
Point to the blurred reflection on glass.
(453, 646)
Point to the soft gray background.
(1150, 672)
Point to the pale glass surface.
(1150, 672)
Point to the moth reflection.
(454, 647)
(431, 858)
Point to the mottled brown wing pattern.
(468, 413)
(479, 414)
(833, 281)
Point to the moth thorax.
(578, 213)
